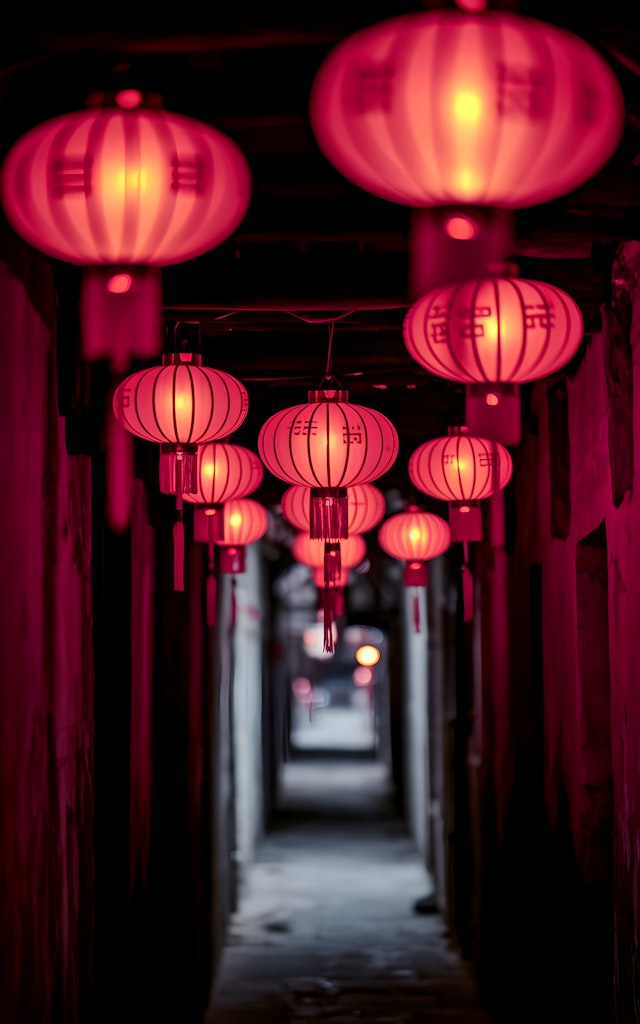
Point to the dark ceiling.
(314, 252)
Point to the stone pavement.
(326, 928)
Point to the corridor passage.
(326, 929)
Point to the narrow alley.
(327, 928)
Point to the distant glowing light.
(491, 398)
(367, 655)
(362, 676)
(464, 508)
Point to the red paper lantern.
(225, 474)
(180, 405)
(461, 469)
(222, 471)
(451, 107)
(124, 188)
(494, 334)
(239, 522)
(366, 507)
(414, 537)
(332, 558)
(328, 444)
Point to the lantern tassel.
(178, 531)
(211, 585)
(178, 555)
(467, 587)
(327, 609)
(234, 604)
(328, 513)
(332, 563)
(119, 475)
(416, 610)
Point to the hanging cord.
(328, 374)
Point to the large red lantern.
(366, 507)
(493, 334)
(414, 537)
(461, 469)
(180, 405)
(331, 558)
(450, 107)
(328, 444)
(237, 523)
(122, 189)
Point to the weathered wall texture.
(560, 669)
(46, 709)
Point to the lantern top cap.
(455, 431)
(125, 99)
(175, 358)
(328, 395)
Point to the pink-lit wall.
(46, 689)
(560, 706)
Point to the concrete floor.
(326, 929)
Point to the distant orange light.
(491, 398)
(367, 655)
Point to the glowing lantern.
(450, 107)
(465, 116)
(328, 445)
(238, 522)
(224, 473)
(461, 469)
(180, 405)
(332, 558)
(414, 537)
(122, 189)
(493, 334)
(366, 507)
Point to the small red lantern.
(237, 523)
(124, 188)
(414, 537)
(366, 507)
(461, 469)
(332, 558)
(452, 107)
(223, 471)
(180, 405)
(328, 444)
(493, 334)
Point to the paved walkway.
(326, 929)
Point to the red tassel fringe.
(328, 513)
(211, 596)
(416, 611)
(178, 555)
(327, 608)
